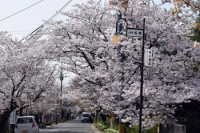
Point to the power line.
(38, 30)
(22, 10)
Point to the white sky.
(24, 23)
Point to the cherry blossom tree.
(113, 70)
(183, 8)
(25, 75)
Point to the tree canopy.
(109, 73)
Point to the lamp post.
(135, 32)
(121, 26)
(142, 79)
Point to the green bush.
(134, 129)
(116, 127)
(111, 130)
(151, 130)
(7, 131)
(101, 126)
(105, 127)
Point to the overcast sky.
(24, 23)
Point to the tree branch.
(92, 67)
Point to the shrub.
(101, 126)
(105, 127)
(151, 130)
(111, 130)
(134, 129)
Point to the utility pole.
(142, 79)
(61, 90)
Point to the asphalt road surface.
(70, 127)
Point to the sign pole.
(135, 32)
(142, 79)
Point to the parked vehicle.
(26, 124)
(86, 117)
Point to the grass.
(101, 126)
(105, 128)
(111, 130)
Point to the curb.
(95, 129)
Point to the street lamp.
(121, 27)
(116, 38)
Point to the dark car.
(86, 117)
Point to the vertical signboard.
(149, 57)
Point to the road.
(70, 127)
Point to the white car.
(26, 124)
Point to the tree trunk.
(4, 121)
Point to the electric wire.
(39, 28)
(22, 10)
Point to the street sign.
(149, 57)
(133, 32)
